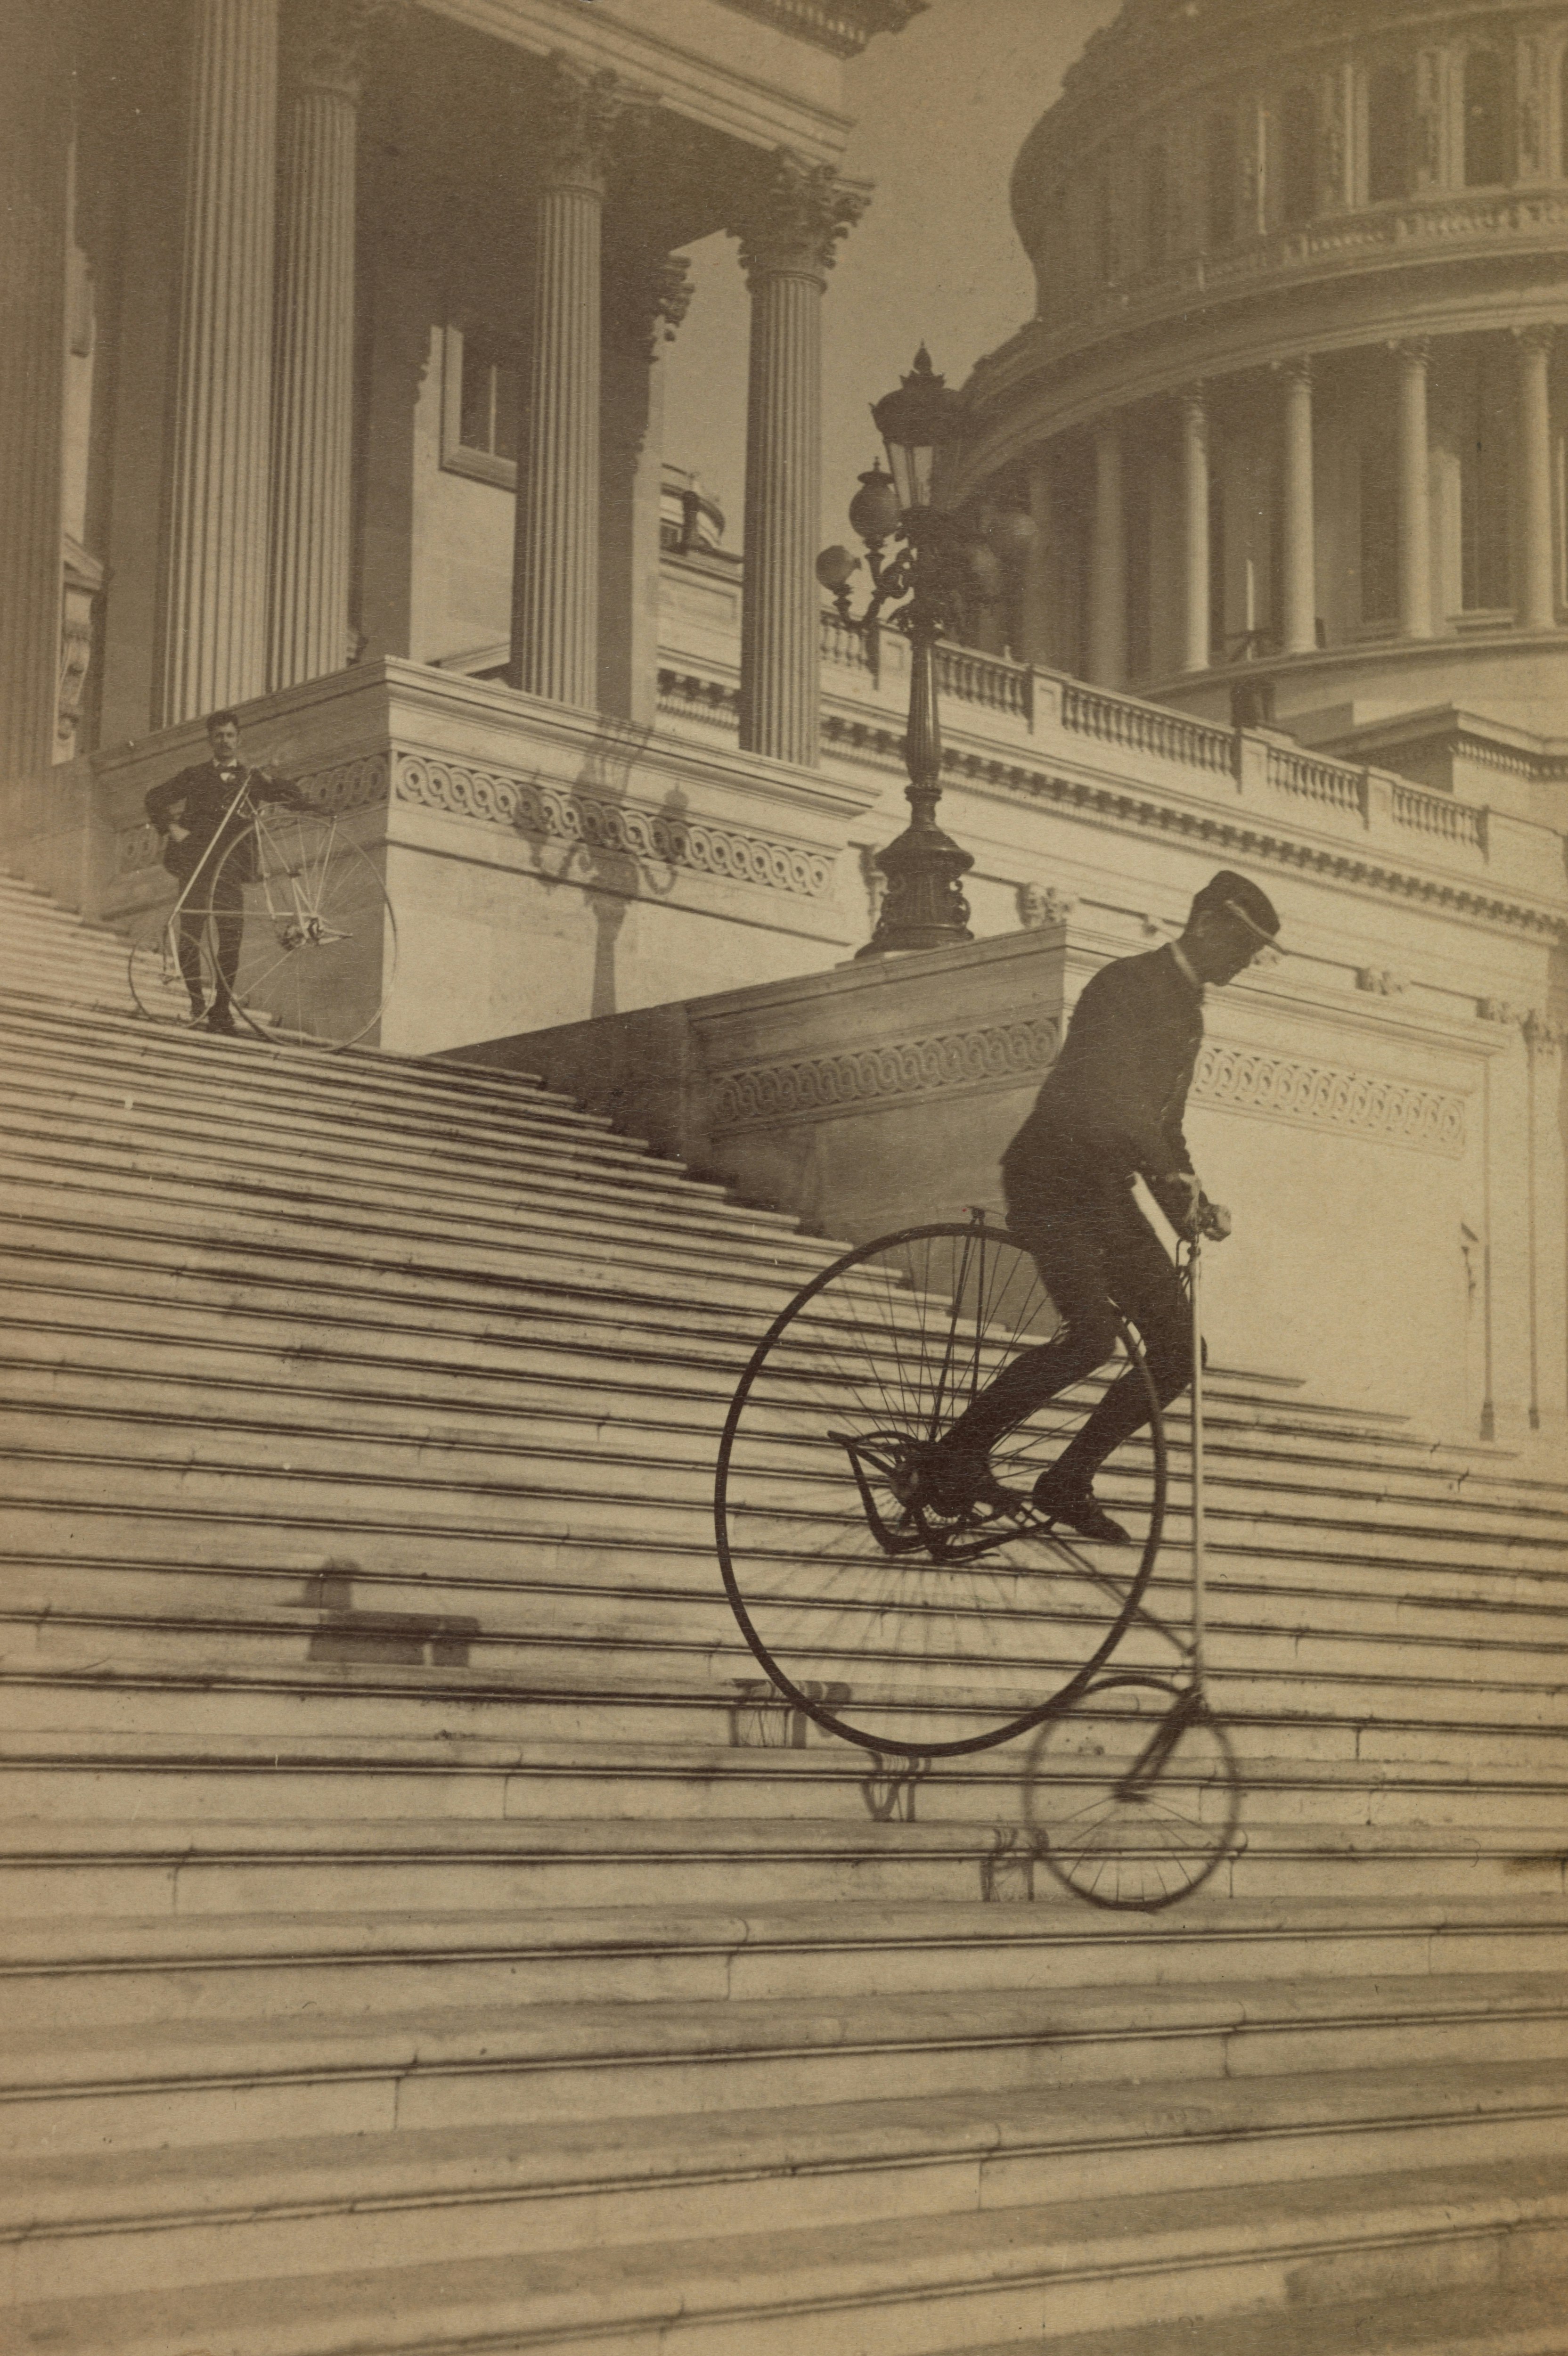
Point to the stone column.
(1108, 562)
(646, 294)
(555, 577)
(214, 602)
(34, 163)
(1196, 653)
(1300, 536)
(1036, 617)
(312, 414)
(1414, 492)
(1537, 584)
(789, 222)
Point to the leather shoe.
(1077, 1504)
(955, 1481)
(219, 1019)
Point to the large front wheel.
(304, 930)
(904, 1630)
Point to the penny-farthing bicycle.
(288, 917)
(925, 1636)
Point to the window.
(1220, 190)
(1299, 156)
(481, 406)
(1156, 208)
(1485, 158)
(1388, 134)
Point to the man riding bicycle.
(197, 819)
(1110, 1110)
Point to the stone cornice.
(842, 25)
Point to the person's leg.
(1145, 1287)
(1065, 1240)
(187, 950)
(229, 926)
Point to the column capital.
(1540, 338)
(581, 114)
(1297, 369)
(1412, 351)
(791, 216)
(648, 296)
(326, 43)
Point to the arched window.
(1220, 190)
(1388, 134)
(1298, 156)
(1486, 159)
(1156, 207)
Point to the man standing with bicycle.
(1111, 1111)
(201, 815)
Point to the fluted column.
(34, 148)
(1300, 534)
(312, 414)
(789, 222)
(646, 294)
(1537, 586)
(1414, 492)
(1196, 654)
(1108, 562)
(555, 577)
(214, 602)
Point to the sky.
(941, 110)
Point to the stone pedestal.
(555, 592)
(789, 222)
(313, 411)
(214, 605)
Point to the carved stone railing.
(1436, 227)
(1333, 784)
(1141, 728)
(1439, 814)
(975, 678)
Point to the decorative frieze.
(755, 1095)
(1040, 905)
(1325, 1095)
(348, 784)
(541, 811)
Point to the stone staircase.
(420, 1934)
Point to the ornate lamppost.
(940, 568)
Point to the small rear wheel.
(902, 1629)
(1132, 1793)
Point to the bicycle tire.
(1125, 1842)
(318, 942)
(159, 988)
(903, 1650)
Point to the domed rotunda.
(1291, 415)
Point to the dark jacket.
(198, 799)
(1112, 1107)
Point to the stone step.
(158, 1119)
(61, 1970)
(907, 2287)
(1494, 2321)
(136, 1867)
(591, 1781)
(315, 2205)
(273, 1206)
(122, 2086)
(225, 1347)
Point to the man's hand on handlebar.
(1194, 1216)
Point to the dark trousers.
(1096, 1254)
(220, 896)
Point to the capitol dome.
(1291, 413)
